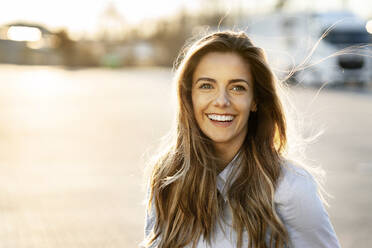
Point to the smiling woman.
(225, 180)
(222, 97)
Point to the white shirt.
(297, 204)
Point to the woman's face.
(222, 97)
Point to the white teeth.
(221, 117)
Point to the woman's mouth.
(222, 120)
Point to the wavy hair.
(183, 188)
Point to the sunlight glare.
(369, 26)
(19, 33)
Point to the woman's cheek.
(244, 102)
(201, 101)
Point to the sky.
(83, 16)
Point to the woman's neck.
(226, 152)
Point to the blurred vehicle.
(332, 48)
(343, 53)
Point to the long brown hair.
(183, 188)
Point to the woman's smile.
(221, 120)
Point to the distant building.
(32, 44)
(23, 43)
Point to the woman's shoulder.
(301, 209)
(295, 183)
(297, 199)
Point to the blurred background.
(86, 95)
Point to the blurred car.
(331, 48)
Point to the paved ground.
(73, 145)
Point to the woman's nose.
(222, 99)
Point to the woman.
(224, 181)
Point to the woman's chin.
(221, 140)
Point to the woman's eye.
(238, 88)
(205, 86)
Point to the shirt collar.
(223, 177)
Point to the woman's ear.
(254, 107)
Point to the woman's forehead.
(222, 64)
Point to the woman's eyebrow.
(205, 79)
(238, 80)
